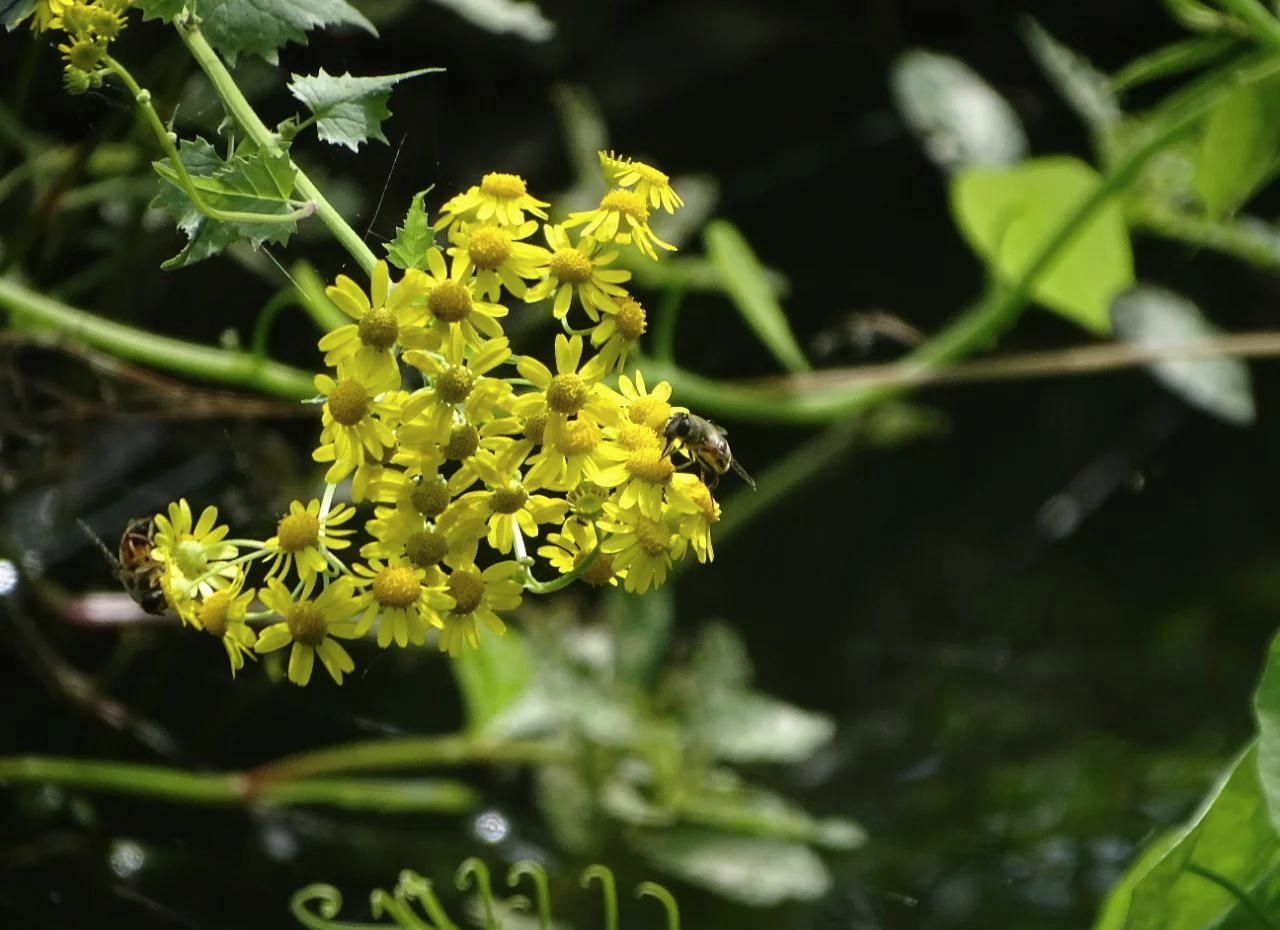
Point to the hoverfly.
(137, 571)
(701, 441)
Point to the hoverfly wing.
(742, 473)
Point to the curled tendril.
(395, 907)
(328, 902)
(471, 869)
(539, 875)
(654, 890)
(607, 889)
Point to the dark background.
(1020, 705)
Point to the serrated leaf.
(164, 10)
(349, 110)
(249, 182)
(958, 118)
(1151, 317)
(1008, 215)
(1239, 147)
(521, 17)
(13, 12)
(1230, 835)
(752, 871)
(262, 27)
(408, 249)
(746, 282)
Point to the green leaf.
(249, 181)
(349, 110)
(1266, 706)
(641, 629)
(1009, 215)
(1239, 147)
(1230, 835)
(262, 27)
(1151, 317)
(767, 814)
(747, 726)
(756, 872)
(413, 237)
(747, 283)
(13, 12)
(492, 679)
(958, 118)
(164, 10)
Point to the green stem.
(323, 311)
(243, 113)
(226, 788)
(1248, 239)
(1262, 25)
(972, 330)
(1242, 896)
(533, 586)
(409, 752)
(30, 308)
(266, 317)
(142, 98)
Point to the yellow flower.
(457, 383)
(366, 348)
(698, 511)
(641, 473)
(567, 549)
(503, 198)
(498, 256)
(311, 625)
(401, 598)
(650, 184)
(578, 269)
(354, 428)
(222, 614)
(621, 217)
(641, 546)
(452, 303)
(506, 503)
(302, 540)
(640, 405)
(477, 595)
(192, 556)
(618, 330)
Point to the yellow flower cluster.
(454, 441)
(90, 27)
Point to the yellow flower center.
(578, 437)
(466, 587)
(633, 436)
(630, 318)
(649, 173)
(567, 394)
(598, 572)
(534, 426)
(190, 558)
(348, 403)
(570, 266)
(454, 384)
(700, 494)
(213, 612)
(378, 329)
(489, 247)
(103, 22)
(426, 548)
(396, 586)
(650, 412)
(652, 536)
(628, 203)
(510, 499)
(649, 464)
(502, 186)
(306, 623)
(450, 302)
(430, 497)
(464, 440)
(298, 531)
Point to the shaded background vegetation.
(1038, 630)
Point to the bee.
(136, 569)
(701, 441)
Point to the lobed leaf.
(249, 181)
(349, 110)
(13, 12)
(1239, 147)
(262, 27)
(164, 10)
(1008, 215)
(518, 17)
(492, 679)
(408, 249)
